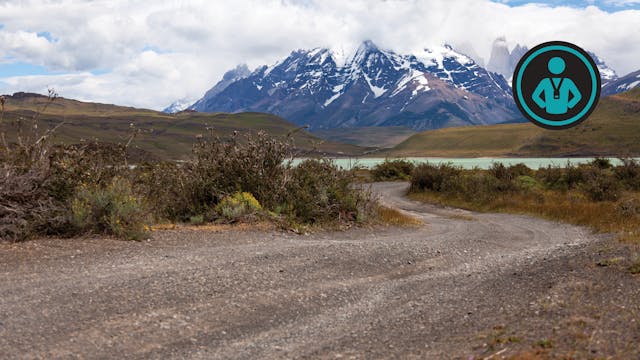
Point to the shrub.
(320, 192)
(526, 182)
(438, 178)
(392, 170)
(504, 173)
(480, 186)
(197, 220)
(550, 176)
(573, 176)
(601, 185)
(253, 163)
(26, 208)
(629, 173)
(520, 169)
(238, 205)
(112, 209)
(50, 189)
(172, 190)
(601, 163)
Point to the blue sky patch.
(606, 5)
(47, 35)
(21, 69)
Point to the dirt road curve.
(426, 292)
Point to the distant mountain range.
(328, 88)
(325, 88)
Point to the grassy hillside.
(163, 135)
(613, 129)
(374, 136)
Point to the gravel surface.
(463, 284)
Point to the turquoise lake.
(468, 163)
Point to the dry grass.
(396, 217)
(569, 206)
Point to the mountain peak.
(607, 74)
(369, 45)
(239, 71)
(364, 52)
(369, 86)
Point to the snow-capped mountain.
(607, 74)
(328, 88)
(178, 106)
(625, 83)
(240, 72)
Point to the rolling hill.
(612, 130)
(371, 136)
(163, 135)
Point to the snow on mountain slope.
(328, 88)
(625, 83)
(607, 74)
(178, 106)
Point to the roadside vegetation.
(392, 170)
(598, 194)
(48, 189)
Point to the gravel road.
(379, 292)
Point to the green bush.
(312, 192)
(320, 192)
(481, 186)
(253, 163)
(471, 185)
(197, 220)
(392, 170)
(438, 178)
(526, 182)
(172, 190)
(112, 209)
(238, 205)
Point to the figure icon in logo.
(560, 93)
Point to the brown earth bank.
(464, 285)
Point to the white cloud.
(159, 51)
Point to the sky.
(151, 53)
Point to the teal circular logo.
(556, 85)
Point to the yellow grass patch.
(391, 216)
